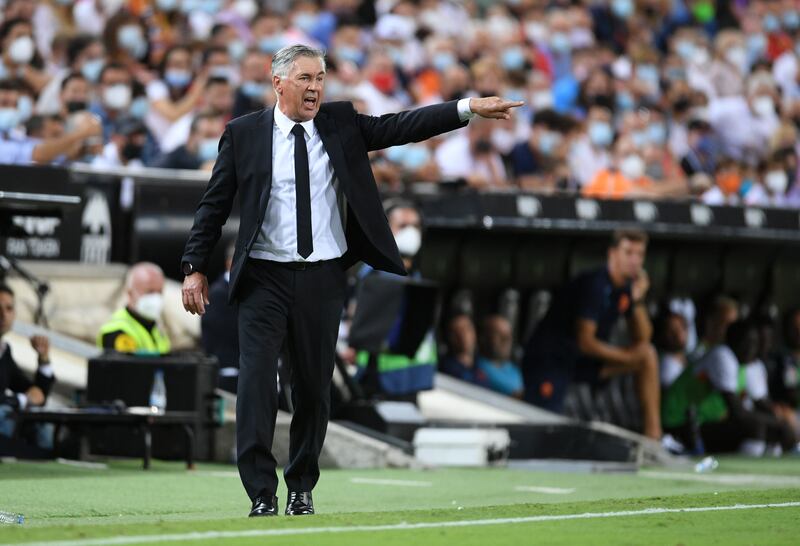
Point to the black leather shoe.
(299, 503)
(265, 506)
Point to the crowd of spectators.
(623, 98)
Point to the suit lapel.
(333, 146)
(263, 159)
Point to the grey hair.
(284, 58)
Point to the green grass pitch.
(123, 504)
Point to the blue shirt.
(505, 378)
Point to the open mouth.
(310, 102)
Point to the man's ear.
(276, 84)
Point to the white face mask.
(150, 305)
(776, 182)
(117, 97)
(408, 240)
(763, 106)
(632, 167)
(21, 50)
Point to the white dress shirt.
(277, 240)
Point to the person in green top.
(134, 329)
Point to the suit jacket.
(244, 165)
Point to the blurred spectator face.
(776, 179)
(722, 316)
(75, 95)
(255, 76)
(131, 39)
(728, 177)
(219, 97)
(380, 72)
(675, 333)
(627, 258)
(454, 82)
(599, 129)
(90, 61)
(746, 346)
(488, 78)
(115, 89)
(23, 9)
(302, 90)
(204, 139)
(406, 226)
(220, 65)
(461, 335)
(347, 45)
(145, 284)
(268, 33)
(628, 159)
(497, 339)
(178, 69)
(7, 312)
(18, 46)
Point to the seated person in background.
(219, 327)
(571, 343)
(461, 356)
(17, 391)
(627, 177)
(707, 398)
(671, 334)
(494, 360)
(200, 149)
(784, 381)
(133, 329)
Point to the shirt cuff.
(464, 113)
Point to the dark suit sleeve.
(410, 126)
(214, 207)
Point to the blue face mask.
(756, 46)
(548, 142)
(349, 53)
(254, 90)
(512, 58)
(647, 73)
(9, 118)
(131, 40)
(271, 44)
(139, 107)
(791, 20)
(600, 133)
(178, 79)
(770, 23)
(685, 49)
(443, 60)
(207, 149)
(657, 133)
(237, 49)
(560, 43)
(25, 108)
(91, 69)
(622, 8)
(624, 101)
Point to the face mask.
(512, 58)
(442, 60)
(167, 5)
(21, 50)
(657, 133)
(763, 106)
(132, 151)
(139, 107)
(776, 182)
(117, 97)
(536, 32)
(624, 101)
(701, 56)
(177, 79)
(207, 150)
(729, 183)
(647, 73)
(408, 240)
(737, 56)
(542, 100)
(305, 21)
(254, 90)
(622, 8)
(770, 23)
(548, 142)
(791, 20)
(24, 108)
(76, 106)
(560, 43)
(150, 306)
(228, 73)
(246, 9)
(9, 118)
(350, 54)
(632, 167)
(639, 139)
(237, 49)
(91, 69)
(131, 40)
(756, 46)
(384, 82)
(271, 44)
(600, 133)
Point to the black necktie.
(305, 245)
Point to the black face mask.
(132, 151)
(76, 106)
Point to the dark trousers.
(299, 311)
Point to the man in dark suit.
(309, 208)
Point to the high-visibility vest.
(135, 338)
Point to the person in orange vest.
(625, 178)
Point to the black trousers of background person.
(298, 310)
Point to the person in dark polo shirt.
(571, 343)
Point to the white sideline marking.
(548, 490)
(212, 535)
(723, 479)
(82, 464)
(401, 483)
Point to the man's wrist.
(465, 112)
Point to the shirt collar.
(285, 124)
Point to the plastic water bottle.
(708, 464)
(158, 395)
(8, 517)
